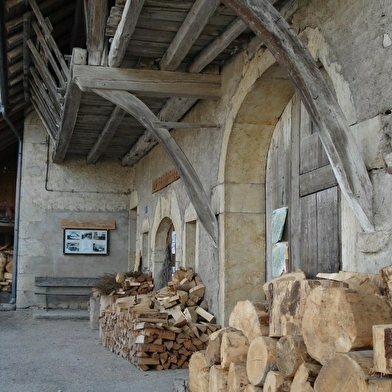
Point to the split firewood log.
(237, 379)
(251, 318)
(304, 377)
(275, 382)
(346, 372)
(252, 388)
(356, 280)
(234, 348)
(261, 359)
(198, 372)
(291, 353)
(218, 379)
(213, 350)
(382, 348)
(338, 320)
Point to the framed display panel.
(86, 242)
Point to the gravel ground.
(40, 355)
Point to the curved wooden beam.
(344, 156)
(193, 185)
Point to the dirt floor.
(52, 355)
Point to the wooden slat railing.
(46, 71)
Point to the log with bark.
(218, 379)
(237, 379)
(261, 358)
(287, 304)
(275, 382)
(291, 353)
(338, 320)
(305, 377)
(346, 372)
(198, 372)
(234, 348)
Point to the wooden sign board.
(107, 224)
(164, 180)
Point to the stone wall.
(72, 190)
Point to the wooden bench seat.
(64, 286)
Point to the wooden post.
(94, 312)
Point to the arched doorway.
(165, 253)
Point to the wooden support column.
(96, 21)
(347, 163)
(193, 185)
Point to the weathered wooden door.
(300, 177)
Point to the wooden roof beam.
(148, 82)
(175, 108)
(322, 106)
(106, 135)
(69, 115)
(193, 185)
(194, 23)
(124, 31)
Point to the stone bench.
(64, 286)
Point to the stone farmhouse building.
(242, 138)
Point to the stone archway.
(242, 244)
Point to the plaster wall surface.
(72, 190)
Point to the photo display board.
(86, 242)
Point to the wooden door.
(300, 177)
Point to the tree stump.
(338, 320)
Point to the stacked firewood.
(159, 330)
(6, 263)
(328, 334)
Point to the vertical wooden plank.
(294, 207)
(97, 15)
(328, 259)
(308, 239)
(278, 179)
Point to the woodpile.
(157, 330)
(6, 264)
(330, 334)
